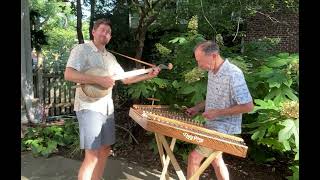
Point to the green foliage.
(184, 84)
(45, 15)
(53, 27)
(194, 75)
(149, 88)
(273, 83)
(295, 170)
(44, 141)
(275, 76)
(163, 50)
(276, 127)
(199, 119)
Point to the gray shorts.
(95, 129)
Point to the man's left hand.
(211, 114)
(155, 72)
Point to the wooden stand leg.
(161, 153)
(166, 163)
(172, 158)
(205, 164)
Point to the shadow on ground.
(60, 168)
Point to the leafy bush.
(43, 141)
(274, 123)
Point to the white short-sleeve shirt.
(86, 56)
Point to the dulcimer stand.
(166, 155)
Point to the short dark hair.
(104, 21)
(207, 47)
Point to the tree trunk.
(148, 14)
(40, 79)
(140, 44)
(79, 22)
(92, 15)
(26, 64)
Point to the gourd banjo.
(97, 91)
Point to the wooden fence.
(55, 93)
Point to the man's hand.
(192, 111)
(105, 81)
(155, 72)
(211, 114)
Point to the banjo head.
(94, 90)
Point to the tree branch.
(206, 18)
(152, 17)
(237, 29)
(128, 132)
(147, 4)
(268, 16)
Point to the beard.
(104, 41)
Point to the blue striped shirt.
(225, 89)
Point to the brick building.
(284, 26)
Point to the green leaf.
(273, 143)
(274, 92)
(178, 39)
(288, 82)
(196, 98)
(287, 131)
(289, 93)
(199, 118)
(286, 145)
(264, 72)
(187, 90)
(296, 133)
(296, 157)
(160, 82)
(136, 94)
(265, 123)
(52, 144)
(176, 84)
(258, 134)
(29, 141)
(280, 98)
(269, 104)
(276, 80)
(295, 175)
(280, 94)
(278, 61)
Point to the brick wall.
(288, 30)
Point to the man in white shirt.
(96, 116)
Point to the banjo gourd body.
(95, 90)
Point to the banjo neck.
(137, 72)
(132, 73)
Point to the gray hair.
(208, 47)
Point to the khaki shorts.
(205, 151)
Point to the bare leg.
(194, 161)
(88, 164)
(104, 152)
(220, 168)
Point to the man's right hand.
(105, 81)
(192, 111)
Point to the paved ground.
(60, 168)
